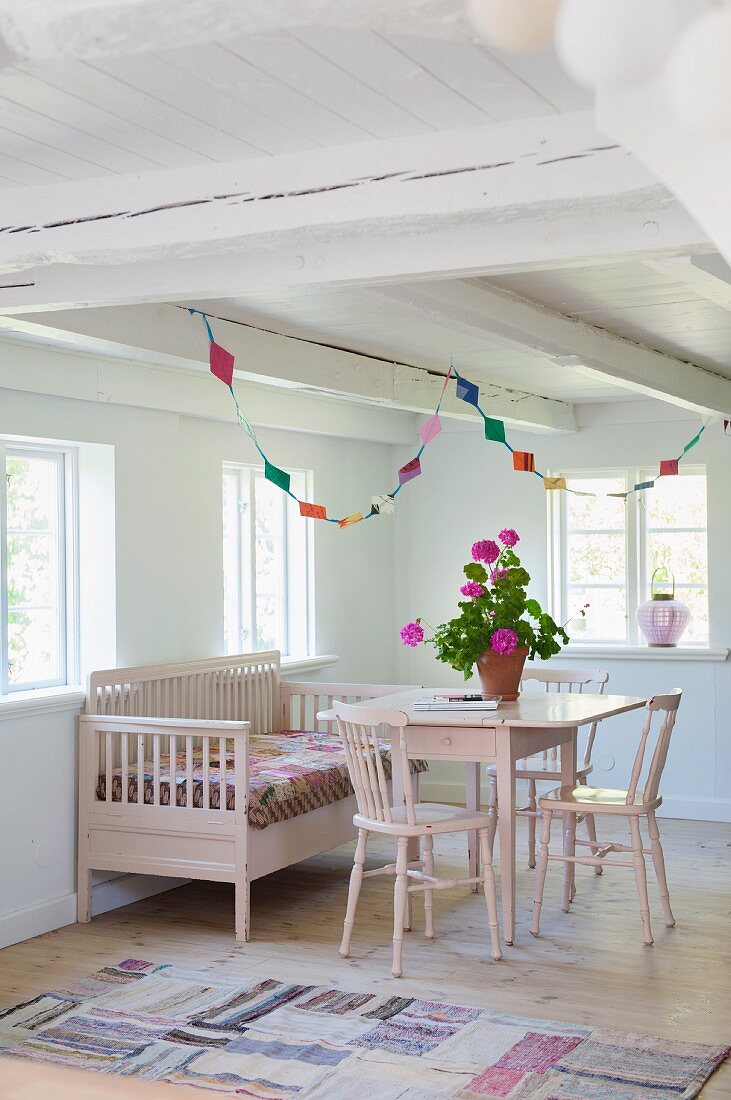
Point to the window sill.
(21, 703)
(645, 653)
(308, 664)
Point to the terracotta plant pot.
(500, 673)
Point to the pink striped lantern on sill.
(663, 619)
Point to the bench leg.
(83, 887)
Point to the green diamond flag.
(277, 476)
(692, 443)
(494, 429)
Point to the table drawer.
(461, 743)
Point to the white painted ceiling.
(258, 96)
(318, 87)
(663, 304)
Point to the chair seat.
(595, 800)
(535, 767)
(431, 817)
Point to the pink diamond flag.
(409, 471)
(430, 428)
(221, 362)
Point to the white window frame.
(245, 594)
(66, 459)
(638, 573)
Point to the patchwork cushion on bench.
(290, 773)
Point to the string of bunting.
(221, 363)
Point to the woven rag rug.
(274, 1039)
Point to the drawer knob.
(446, 740)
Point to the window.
(38, 620)
(604, 551)
(267, 563)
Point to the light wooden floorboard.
(588, 967)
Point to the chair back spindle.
(570, 680)
(358, 728)
(667, 707)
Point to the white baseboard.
(36, 920)
(24, 924)
(688, 809)
(124, 889)
(693, 809)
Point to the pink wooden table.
(537, 721)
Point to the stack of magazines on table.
(458, 701)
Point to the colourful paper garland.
(221, 364)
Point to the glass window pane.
(32, 493)
(677, 502)
(606, 615)
(697, 601)
(231, 553)
(681, 552)
(31, 570)
(36, 615)
(595, 513)
(33, 649)
(599, 558)
(270, 566)
(266, 563)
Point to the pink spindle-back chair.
(358, 727)
(641, 799)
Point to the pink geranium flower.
(509, 537)
(473, 589)
(412, 634)
(485, 550)
(504, 641)
(498, 574)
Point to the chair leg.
(659, 861)
(641, 879)
(492, 812)
(532, 806)
(399, 903)
(541, 872)
(569, 849)
(488, 883)
(356, 881)
(428, 894)
(591, 829)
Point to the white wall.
(469, 490)
(169, 601)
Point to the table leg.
(472, 802)
(568, 779)
(506, 829)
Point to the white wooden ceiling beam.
(566, 340)
(169, 337)
(62, 372)
(458, 202)
(85, 29)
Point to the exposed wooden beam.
(479, 308)
(167, 336)
(459, 202)
(62, 372)
(86, 29)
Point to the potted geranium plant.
(498, 626)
